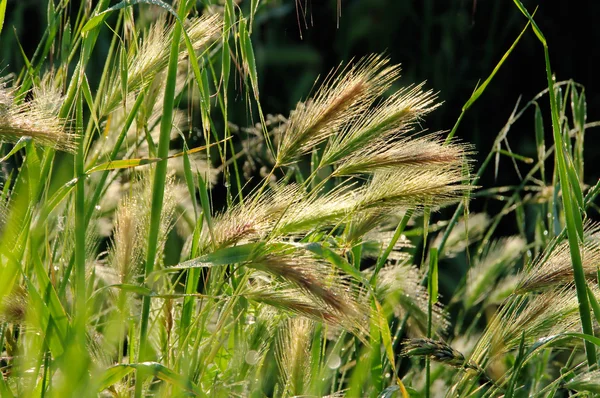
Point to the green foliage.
(130, 265)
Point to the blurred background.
(451, 44)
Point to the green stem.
(80, 225)
(570, 213)
(158, 189)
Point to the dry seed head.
(377, 240)
(413, 153)
(400, 285)
(588, 381)
(343, 97)
(318, 211)
(293, 353)
(553, 269)
(148, 118)
(252, 220)
(392, 118)
(13, 306)
(319, 280)
(132, 222)
(285, 297)
(126, 254)
(168, 209)
(539, 316)
(503, 290)
(285, 210)
(403, 188)
(467, 231)
(501, 256)
(152, 56)
(37, 118)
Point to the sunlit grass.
(317, 271)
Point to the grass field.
(150, 247)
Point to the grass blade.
(572, 214)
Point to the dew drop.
(546, 233)
(97, 207)
(251, 357)
(334, 361)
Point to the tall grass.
(318, 272)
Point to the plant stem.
(158, 189)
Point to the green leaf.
(189, 177)
(23, 141)
(536, 29)
(487, 81)
(334, 258)
(386, 335)
(248, 55)
(384, 256)
(122, 164)
(2, 13)
(99, 18)
(225, 256)
(433, 275)
(87, 94)
(539, 138)
(5, 389)
(519, 361)
(124, 67)
(65, 43)
(594, 304)
(115, 373)
(39, 316)
(574, 182)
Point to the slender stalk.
(158, 189)
(80, 225)
(572, 214)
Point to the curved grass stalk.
(572, 213)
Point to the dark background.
(452, 44)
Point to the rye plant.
(317, 270)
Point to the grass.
(321, 269)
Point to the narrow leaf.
(122, 164)
(2, 13)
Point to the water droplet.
(251, 357)
(387, 375)
(334, 361)
(546, 233)
(97, 207)
(250, 320)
